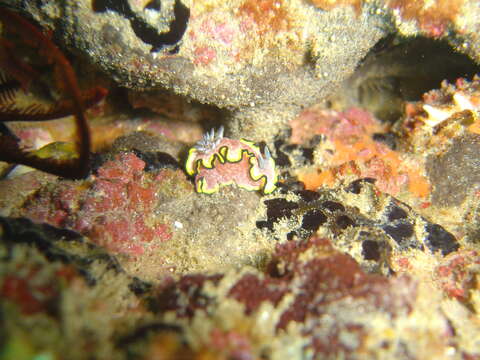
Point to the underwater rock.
(458, 272)
(441, 131)
(49, 277)
(372, 227)
(114, 209)
(140, 207)
(461, 158)
(226, 53)
(246, 55)
(367, 248)
(311, 300)
(346, 148)
(58, 244)
(238, 52)
(401, 69)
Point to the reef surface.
(364, 113)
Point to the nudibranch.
(216, 161)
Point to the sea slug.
(216, 161)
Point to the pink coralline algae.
(114, 209)
(432, 17)
(231, 344)
(304, 284)
(350, 151)
(29, 289)
(204, 55)
(457, 273)
(352, 123)
(216, 161)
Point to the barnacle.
(216, 161)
